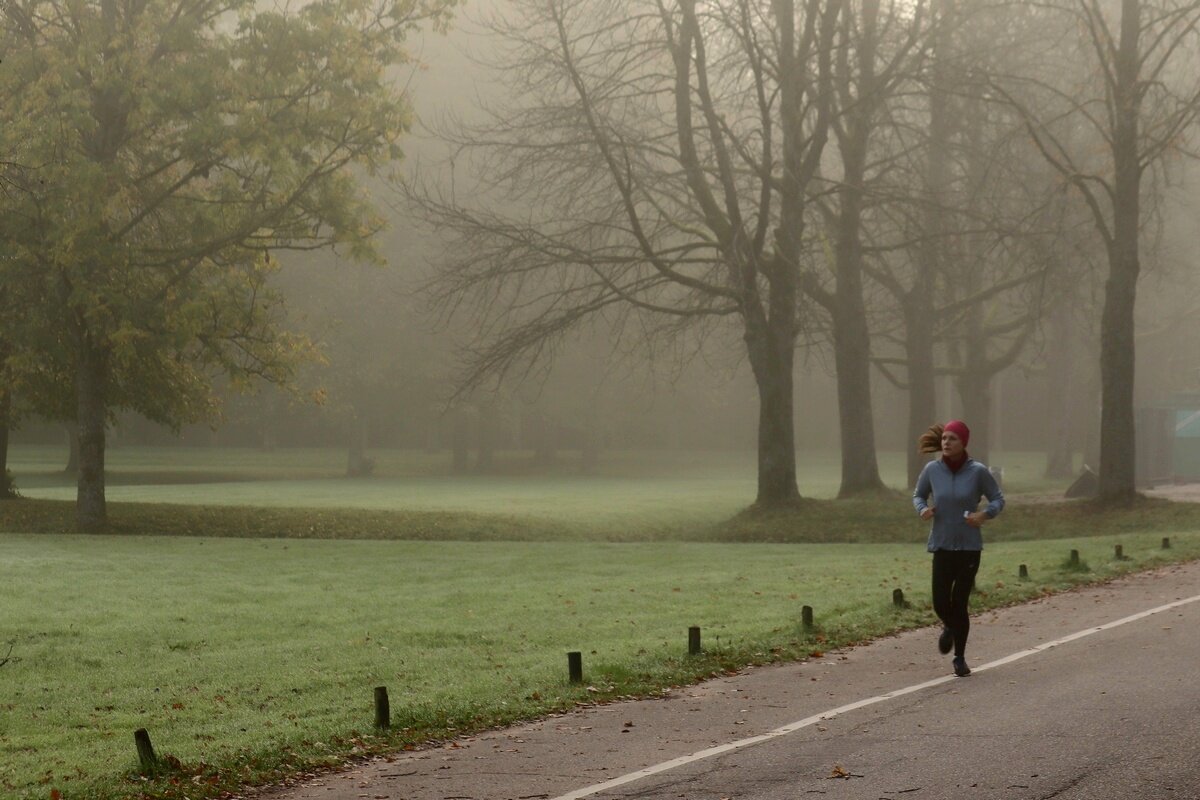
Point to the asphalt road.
(1114, 716)
(1060, 706)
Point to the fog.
(395, 368)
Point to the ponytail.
(931, 440)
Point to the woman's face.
(952, 446)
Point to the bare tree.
(1000, 270)
(926, 218)
(1068, 356)
(1139, 104)
(970, 247)
(655, 167)
(880, 49)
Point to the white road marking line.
(792, 727)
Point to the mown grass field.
(632, 496)
(652, 492)
(254, 654)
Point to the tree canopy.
(166, 149)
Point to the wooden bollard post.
(1074, 560)
(575, 666)
(898, 598)
(1023, 572)
(145, 750)
(383, 709)
(1118, 552)
(693, 641)
(1166, 543)
(806, 617)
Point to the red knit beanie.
(959, 429)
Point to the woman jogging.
(956, 482)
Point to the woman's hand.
(976, 519)
(928, 512)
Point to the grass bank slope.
(882, 518)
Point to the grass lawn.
(249, 658)
(263, 599)
(663, 491)
(633, 496)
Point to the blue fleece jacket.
(955, 494)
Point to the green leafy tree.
(171, 146)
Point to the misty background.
(390, 362)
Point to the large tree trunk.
(771, 346)
(851, 337)
(91, 383)
(1117, 440)
(852, 353)
(770, 327)
(1117, 435)
(860, 466)
(772, 362)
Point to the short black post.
(1166, 543)
(146, 758)
(1118, 552)
(383, 709)
(1074, 560)
(898, 598)
(693, 641)
(806, 617)
(1023, 572)
(575, 666)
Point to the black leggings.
(953, 578)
